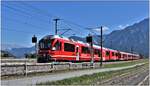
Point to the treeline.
(6, 54)
(30, 55)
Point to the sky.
(20, 20)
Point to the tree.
(30, 55)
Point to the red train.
(58, 48)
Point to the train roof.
(70, 39)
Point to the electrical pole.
(92, 54)
(90, 41)
(101, 38)
(56, 25)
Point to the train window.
(107, 53)
(119, 54)
(41, 45)
(112, 53)
(99, 53)
(116, 54)
(69, 47)
(58, 45)
(85, 50)
(96, 51)
(45, 43)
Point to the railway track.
(139, 76)
(145, 81)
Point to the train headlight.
(53, 48)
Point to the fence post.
(25, 68)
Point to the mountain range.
(133, 38)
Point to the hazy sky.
(21, 20)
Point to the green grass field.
(91, 79)
(125, 63)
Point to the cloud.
(122, 26)
(104, 29)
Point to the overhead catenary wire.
(37, 10)
(14, 30)
(25, 13)
(28, 24)
(44, 12)
(15, 9)
(49, 14)
(23, 21)
(69, 26)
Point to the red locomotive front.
(53, 47)
(45, 51)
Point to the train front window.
(57, 46)
(45, 43)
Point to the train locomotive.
(59, 48)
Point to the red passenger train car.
(59, 48)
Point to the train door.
(113, 56)
(77, 53)
(104, 55)
(110, 55)
(96, 55)
(85, 53)
(119, 56)
(107, 55)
